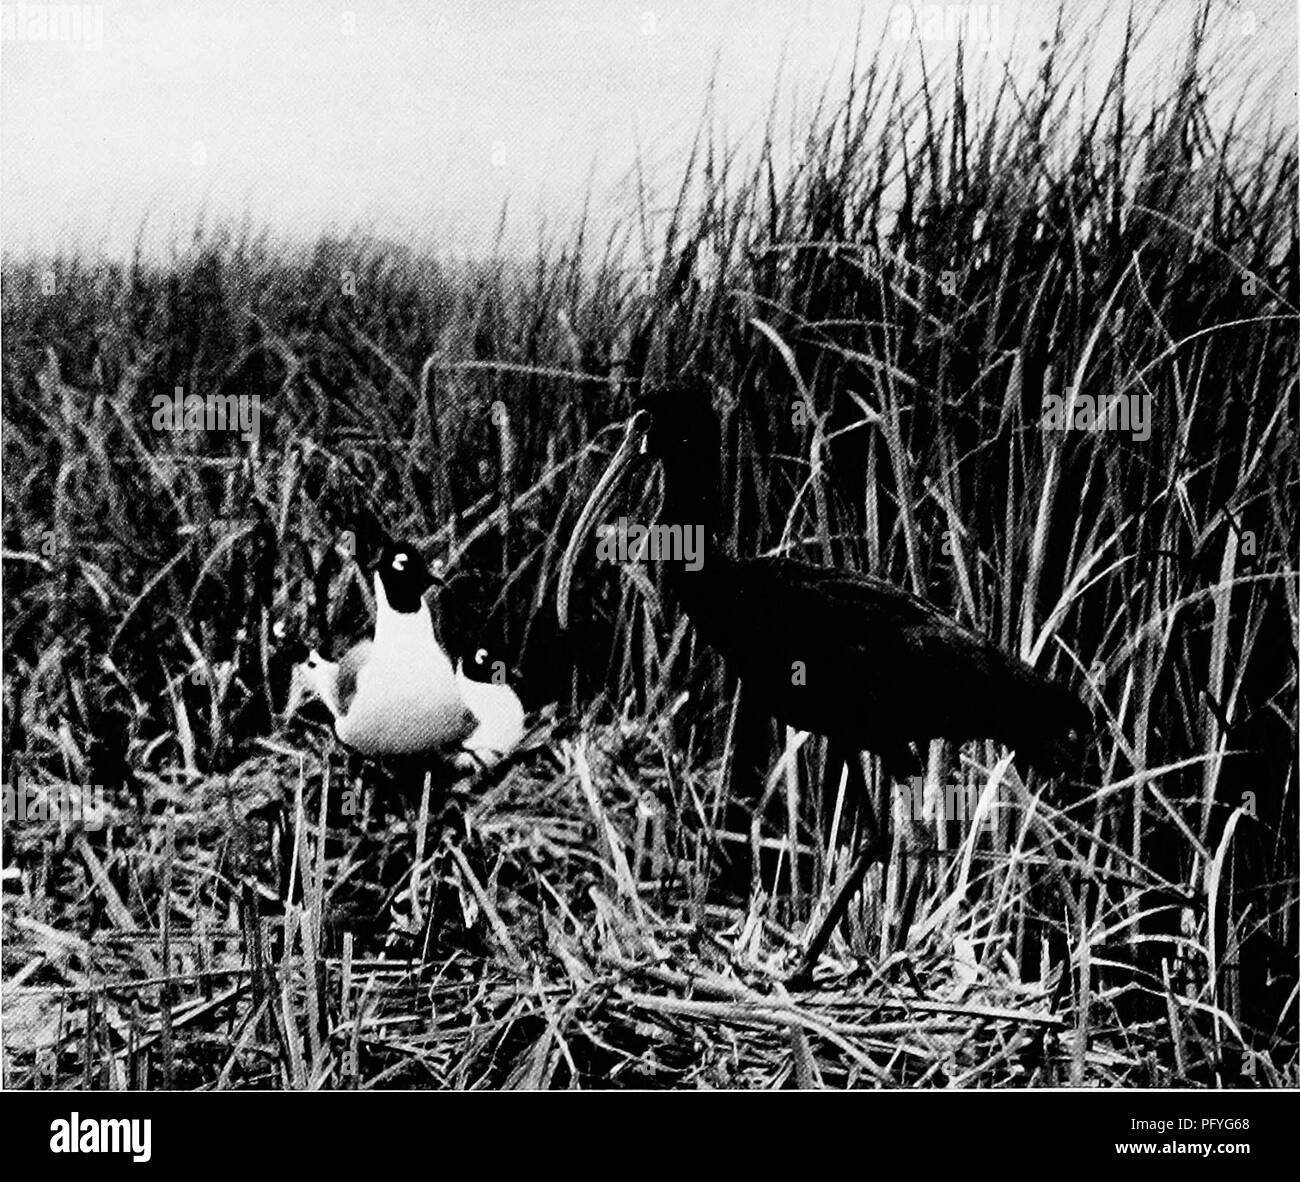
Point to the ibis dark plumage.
(834, 652)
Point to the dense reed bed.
(884, 311)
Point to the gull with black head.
(396, 693)
(481, 677)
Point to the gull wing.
(349, 668)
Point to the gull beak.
(438, 575)
(439, 585)
(629, 450)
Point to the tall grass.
(880, 310)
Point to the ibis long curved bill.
(601, 497)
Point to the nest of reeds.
(557, 922)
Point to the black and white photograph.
(650, 546)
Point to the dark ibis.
(834, 652)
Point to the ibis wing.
(898, 655)
(853, 611)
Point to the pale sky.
(418, 119)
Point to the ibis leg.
(871, 851)
(745, 779)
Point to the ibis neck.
(691, 495)
(691, 501)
